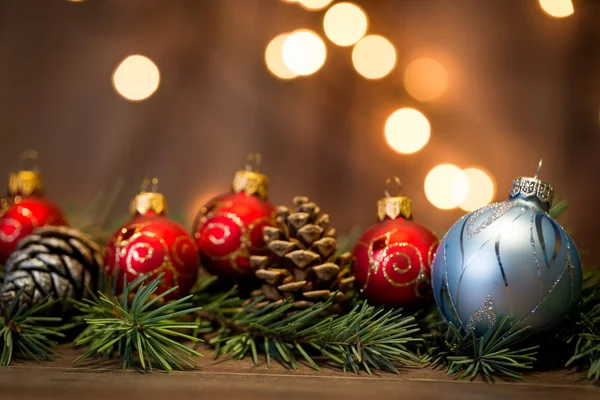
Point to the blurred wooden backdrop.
(521, 86)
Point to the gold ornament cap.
(250, 180)
(393, 207)
(533, 189)
(26, 181)
(146, 202)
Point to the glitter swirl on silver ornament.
(509, 258)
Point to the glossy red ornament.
(228, 229)
(151, 244)
(394, 257)
(24, 209)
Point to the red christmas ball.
(228, 229)
(394, 257)
(24, 209)
(152, 244)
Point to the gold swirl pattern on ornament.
(232, 217)
(430, 252)
(241, 250)
(245, 236)
(218, 225)
(121, 245)
(251, 227)
(130, 250)
(385, 256)
(18, 228)
(186, 244)
(134, 253)
(124, 249)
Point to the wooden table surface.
(229, 379)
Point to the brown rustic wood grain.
(229, 379)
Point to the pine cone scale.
(302, 258)
(292, 286)
(281, 247)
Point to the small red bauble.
(24, 209)
(394, 256)
(228, 229)
(152, 244)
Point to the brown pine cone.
(303, 265)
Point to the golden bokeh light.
(425, 79)
(314, 5)
(304, 52)
(274, 58)
(407, 130)
(136, 78)
(374, 56)
(557, 8)
(481, 189)
(446, 186)
(345, 24)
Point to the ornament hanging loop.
(144, 186)
(388, 182)
(253, 162)
(27, 155)
(537, 172)
(146, 182)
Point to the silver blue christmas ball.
(508, 258)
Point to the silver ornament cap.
(533, 189)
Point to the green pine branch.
(498, 353)
(558, 208)
(145, 329)
(365, 338)
(28, 331)
(586, 353)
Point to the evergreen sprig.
(558, 208)
(365, 338)
(28, 330)
(138, 330)
(496, 353)
(587, 345)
